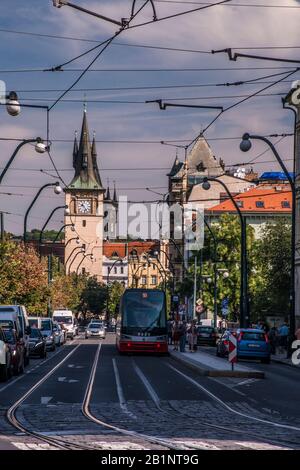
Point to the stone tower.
(84, 197)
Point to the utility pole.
(49, 282)
(293, 99)
(2, 226)
(195, 288)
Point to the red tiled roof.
(272, 199)
(111, 249)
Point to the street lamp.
(79, 252)
(47, 221)
(245, 146)
(244, 308)
(108, 286)
(40, 147)
(57, 190)
(89, 255)
(62, 228)
(71, 239)
(73, 251)
(12, 104)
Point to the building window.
(122, 270)
(259, 204)
(240, 203)
(144, 280)
(285, 204)
(115, 254)
(115, 270)
(83, 271)
(83, 246)
(84, 223)
(154, 267)
(153, 280)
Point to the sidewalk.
(208, 365)
(282, 359)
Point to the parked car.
(222, 344)
(5, 358)
(37, 343)
(17, 315)
(253, 343)
(17, 349)
(95, 329)
(48, 333)
(59, 335)
(207, 335)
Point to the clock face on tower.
(84, 206)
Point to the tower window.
(115, 270)
(122, 270)
(84, 223)
(83, 271)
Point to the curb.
(280, 361)
(205, 372)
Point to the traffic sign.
(232, 349)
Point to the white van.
(67, 319)
(17, 316)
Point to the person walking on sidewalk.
(283, 336)
(182, 336)
(193, 337)
(272, 335)
(176, 335)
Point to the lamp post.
(245, 146)
(108, 286)
(73, 251)
(79, 252)
(61, 229)
(244, 308)
(89, 255)
(156, 254)
(40, 147)
(12, 104)
(48, 220)
(57, 190)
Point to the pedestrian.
(283, 334)
(272, 336)
(169, 328)
(176, 335)
(192, 336)
(297, 334)
(182, 336)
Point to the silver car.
(95, 329)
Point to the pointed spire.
(115, 199)
(176, 166)
(107, 198)
(75, 150)
(85, 160)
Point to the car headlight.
(14, 353)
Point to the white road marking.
(244, 382)
(45, 400)
(29, 371)
(239, 413)
(65, 380)
(33, 446)
(147, 385)
(119, 445)
(121, 397)
(260, 446)
(198, 444)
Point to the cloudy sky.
(125, 76)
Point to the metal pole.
(2, 226)
(46, 223)
(49, 282)
(25, 141)
(31, 205)
(244, 310)
(195, 287)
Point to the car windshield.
(9, 336)
(252, 336)
(6, 323)
(46, 325)
(66, 320)
(205, 329)
(35, 333)
(95, 325)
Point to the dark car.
(207, 335)
(17, 349)
(5, 358)
(223, 343)
(37, 343)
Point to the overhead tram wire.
(292, 72)
(247, 5)
(106, 45)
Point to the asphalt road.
(147, 402)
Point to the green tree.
(93, 296)
(115, 291)
(273, 267)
